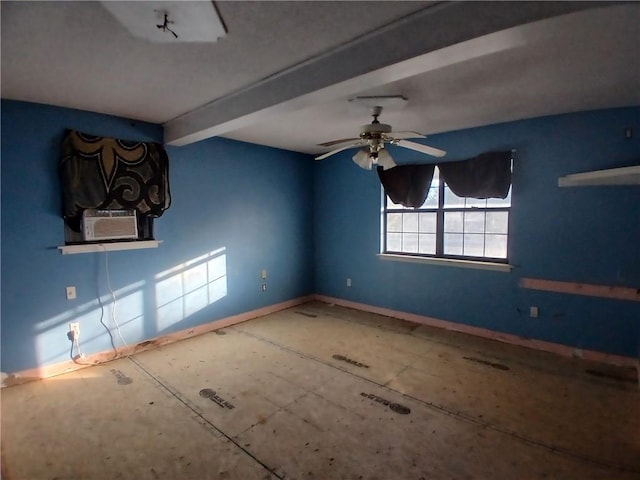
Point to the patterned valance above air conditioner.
(109, 173)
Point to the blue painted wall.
(240, 208)
(588, 235)
(237, 209)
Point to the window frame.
(440, 211)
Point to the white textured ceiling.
(76, 54)
(284, 72)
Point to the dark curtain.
(486, 176)
(107, 173)
(407, 185)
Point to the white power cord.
(113, 296)
(77, 344)
(79, 356)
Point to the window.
(448, 226)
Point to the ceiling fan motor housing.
(375, 128)
(373, 134)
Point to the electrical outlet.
(348, 282)
(264, 275)
(533, 312)
(264, 287)
(74, 329)
(71, 293)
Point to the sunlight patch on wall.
(52, 343)
(189, 287)
(129, 314)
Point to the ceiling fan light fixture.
(363, 159)
(374, 137)
(385, 160)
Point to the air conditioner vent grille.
(109, 225)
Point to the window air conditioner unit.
(109, 225)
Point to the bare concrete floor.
(324, 392)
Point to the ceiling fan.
(373, 138)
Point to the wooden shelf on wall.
(612, 176)
(108, 247)
(575, 288)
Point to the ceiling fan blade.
(336, 142)
(403, 135)
(418, 147)
(333, 152)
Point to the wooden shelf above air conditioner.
(612, 176)
(108, 247)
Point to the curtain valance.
(109, 173)
(486, 176)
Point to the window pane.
(394, 242)
(496, 246)
(497, 222)
(394, 222)
(410, 222)
(432, 198)
(427, 222)
(410, 242)
(451, 200)
(473, 245)
(390, 203)
(427, 243)
(453, 243)
(475, 202)
(473, 222)
(500, 202)
(453, 222)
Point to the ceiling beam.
(428, 31)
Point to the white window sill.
(499, 267)
(107, 247)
